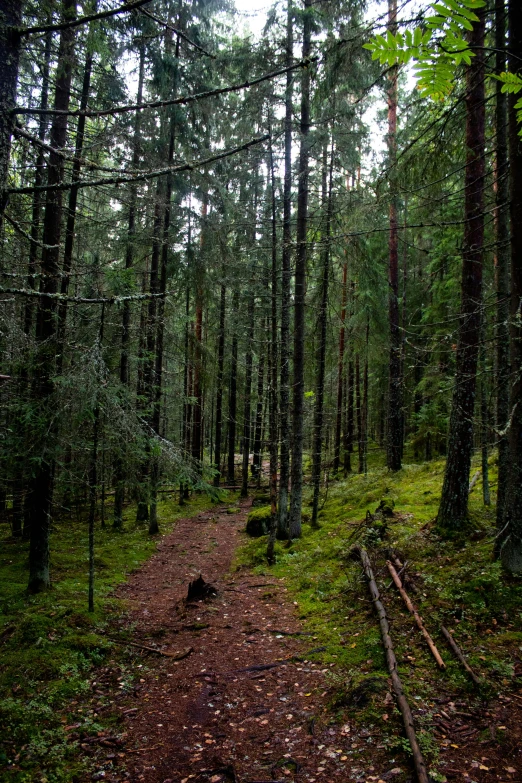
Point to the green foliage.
(438, 47)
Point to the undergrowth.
(50, 642)
(455, 583)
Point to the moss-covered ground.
(455, 583)
(50, 643)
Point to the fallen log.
(418, 619)
(176, 656)
(402, 703)
(459, 654)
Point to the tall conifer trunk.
(284, 406)
(453, 507)
(272, 371)
(340, 372)
(10, 20)
(511, 532)
(119, 476)
(39, 498)
(219, 392)
(395, 402)
(502, 260)
(232, 395)
(317, 449)
(294, 526)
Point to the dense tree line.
(205, 267)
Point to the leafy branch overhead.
(437, 47)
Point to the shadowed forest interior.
(266, 255)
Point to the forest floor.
(281, 674)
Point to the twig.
(177, 656)
(459, 654)
(420, 625)
(53, 28)
(402, 702)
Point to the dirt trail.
(202, 718)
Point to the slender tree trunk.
(358, 410)
(119, 495)
(294, 526)
(272, 373)
(340, 373)
(197, 412)
(348, 432)
(232, 396)
(322, 328)
(247, 398)
(286, 274)
(93, 468)
(38, 180)
(71, 211)
(39, 500)
(220, 376)
(257, 450)
(395, 402)
(484, 419)
(364, 412)
(511, 533)
(10, 21)
(453, 509)
(502, 261)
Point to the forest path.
(202, 719)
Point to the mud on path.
(211, 716)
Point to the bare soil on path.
(247, 703)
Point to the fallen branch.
(459, 654)
(144, 750)
(418, 619)
(176, 656)
(474, 480)
(402, 702)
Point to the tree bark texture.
(395, 392)
(296, 496)
(39, 500)
(284, 406)
(511, 533)
(10, 19)
(453, 509)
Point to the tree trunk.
(284, 406)
(358, 410)
(39, 500)
(511, 534)
(247, 398)
(219, 393)
(38, 180)
(10, 20)
(340, 373)
(502, 260)
(453, 509)
(272, 373)
(197, 411)
(348, 432)
(322, 326)
(257, 449)
(119, 494)
(294, 526)
(232, 396)
(395, 402)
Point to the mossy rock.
(233, 510)
(258, 521)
